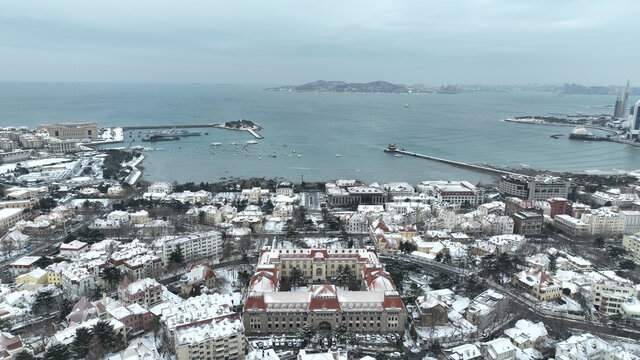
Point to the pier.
(151, 127)
(481, 168)
(249, 130)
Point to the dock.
(480, 168)
(151, 127)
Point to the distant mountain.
(345, 87)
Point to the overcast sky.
(291, 42)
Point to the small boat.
(338, 155)
(397, 155)
(299, 155)
(272, 156)
(293, 151)
(251, 142)
(235, 143)
(259, 157)
(407, 105)
(215, 144)
(206, 133)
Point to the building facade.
(66, 131)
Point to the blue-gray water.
(465, 127)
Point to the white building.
(497, 224)
(631, 221)
(613, 197)
(603, 221)
(73, 249)
(454, 192)
(77, 282)
(609, 291)
(8, 217)
(194, 246)
(631, 243)
(587, 346)
(401, 190)
(571, 226)
(498, 349)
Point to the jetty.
(392, 148)
(151, 127)
(251, 131)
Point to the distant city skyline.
(288, 42)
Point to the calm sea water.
(465, 127)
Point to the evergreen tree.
(176, 256)
(111, 275)
(105, 335)
(296, 276)
(24, 355)
(80, 344)
(58, 352)
(65, 308)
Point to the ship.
(154, 138)
(176, 132)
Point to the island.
(346, 87)
(242, 125)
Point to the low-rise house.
(67, 335)
(73, 249)
(498, 349)
(10, 345)
(484, 308)
(497, 224)
(464, 352)
(538, 284)
(10, 216)
(198, 275)
(588, 346)
(32, 280)
(526, 334)
(23, 265)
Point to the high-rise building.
(635, 122)
(620, 109)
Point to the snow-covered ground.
(32, 163)
(570, 305)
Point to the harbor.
(392, 148)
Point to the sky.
(289, 42)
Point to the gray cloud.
(288, 41)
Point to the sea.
(324, 136)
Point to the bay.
(465, 127)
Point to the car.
(395, 355)
(259, 344)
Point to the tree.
(407, 247)
(176, 256)
(43, 301)
(111, 275)
(552, 263)
(65, 309)
(80, 344)
(296, 276)
(58, 352)
(105, 335)
(43, 262)
(627, 264)
(307, 332)
(342, 334)
(381, 356)
(5, 324)
(24, 355)
(615, 252)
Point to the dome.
(580, 131)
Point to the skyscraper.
(635, 122)
(620, 108)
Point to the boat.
(397, 155)
(176, 132)
(215, 144)
(251, 142)
(407, 105)
(299, 155)
(154, 138)
(235, 143)
(293, 151)
(338, 155)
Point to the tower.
(634, 126)
(620, 108)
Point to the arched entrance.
(324, 326)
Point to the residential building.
(588, 346)
(497, 224)
(571, 226)
(194, 246)
(527, 334)
(146, 292)
(399, 190)
(204, 327)
(198, 275)
(284, 188)
(10, 216)
(630, 221)
(10, 345)
(485, 308)
(527, 223)
(603, 221)
(538, 188)
(464, 352)
(559, 206)
(609, 291)
(631, 243)
(77, 281)
(32, 280)
(613, 197)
